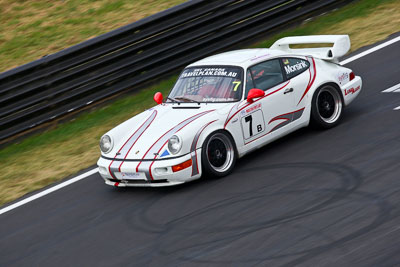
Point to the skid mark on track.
(250, 222)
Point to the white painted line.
(395, 88)
(371, 50)
(48, 191)
(88, 173)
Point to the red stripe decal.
(134, 133)
(119, 168)
(310, 83)
(195, 154)
(151, 176)
(274, 119)
(276, 126)
(277, 117)
(109, 167)
(199, 115)
(226, 123)
(194, 143)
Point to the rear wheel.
(326, 107)
(218, 154)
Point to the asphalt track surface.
(313, 198)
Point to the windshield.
(208, 84)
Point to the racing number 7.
(254, 118)
(236, 85)
(250, 119)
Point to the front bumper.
(155, 173)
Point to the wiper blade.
(173, 99)
(187, 99)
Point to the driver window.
(267, 74)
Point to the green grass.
(45, 158)
(69, 147)
(119, 110)
(32, 29)
(328, 23)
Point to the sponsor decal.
(210, 72)
(253, 108)
(130, 175)
(217, 99)
(351, 90)
(299, 66)
(343, 77)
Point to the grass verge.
(365, 21)
(48, 157)
(32, 29)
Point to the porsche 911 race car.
(224, 106)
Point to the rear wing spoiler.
(341, 45)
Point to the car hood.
(145, 135)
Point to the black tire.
(326, 107)
(218, 155)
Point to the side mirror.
(158, 97)
(254, 93)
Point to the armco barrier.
(57, 84)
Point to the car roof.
(243, 57)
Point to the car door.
(295, 72)
(269, 113)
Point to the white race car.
(224, 106)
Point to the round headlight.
(106, 144)
(174, 144)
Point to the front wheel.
(218, 154)
(326, 107)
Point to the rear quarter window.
(294, 66)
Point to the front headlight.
(174, 144)
(106, 144)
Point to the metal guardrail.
(73, 78)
